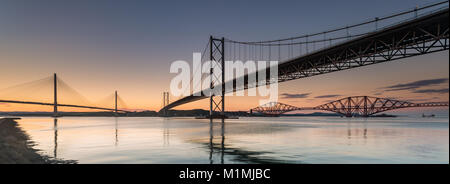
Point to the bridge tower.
(165, 102)
(348, 113)
(55, 96)
(365, 112)
(217, 57)
(115, 103)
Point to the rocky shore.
(16, 147)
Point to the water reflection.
(211, 141)
(356, 130)
(365, 128)
(251, 140)
(349, 130)
(55, 139)
(236, 154)
(211, 137)
(223, 141)
(116, 126)
(166, 132)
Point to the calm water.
(247, 140)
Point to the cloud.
(416, 84)
(440, 91)
(419, 100)
(300, 95)
(401, 89)
(328, 96)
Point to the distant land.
(171, 113)
(312, 114)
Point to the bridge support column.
(55, 96)
(217, 57)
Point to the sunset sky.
(97, 47)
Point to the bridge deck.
(60, 105)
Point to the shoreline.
(17, 148)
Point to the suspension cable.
(376, 20)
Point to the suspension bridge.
(48, 86)
(364, 106)
(419, 31)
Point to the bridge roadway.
(422, 35)
(60, 105)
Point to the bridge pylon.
(217, 57)
(55, 95)
(115, 103)
(165, 102)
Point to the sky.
(98, 47)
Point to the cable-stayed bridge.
(419, 31)
(364, 106)
(46, 91)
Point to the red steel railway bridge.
(363, 106)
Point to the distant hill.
(172, 113)
(312, 114)
(202, 112)
(83, 114)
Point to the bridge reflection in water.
(211, 142)
(248, 140)
(213, 148)
(55, 137)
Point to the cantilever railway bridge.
(364, 106)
